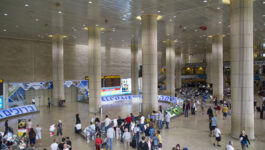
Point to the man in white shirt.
(107, 122)
(54, 145)
(33, 101)
(110, 136)
(217, 134)
(167, 118)
(230, 146)
(160, 120)
(142, 123)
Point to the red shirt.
(98, 141)
(128, 120)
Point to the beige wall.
(25, 60)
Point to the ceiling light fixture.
(26, 5)
(205, 1)
(37, 19)
(175, 16)
(220, 22)
(59, 12)
(5, 30)
(90, 2)
(5, 14)
(218, 7)
(158, 11)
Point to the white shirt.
(107, 122)
(142, 120)
(167, 117)
(110, 133)
(126, 136)
(33, 99)
(217, 132)
(54, 146)
(38, 130)
(229, 147)
(161, 116)
(115, 123)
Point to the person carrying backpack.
(143, 144)
(155, 142)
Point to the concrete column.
(134, 66)
(5, 95)
(107, 52)
(149, 61)
(57, 68)
(217, 69)
(209, 66)
(94, 69)
(242, 83)
(170, 67)
(178, 70)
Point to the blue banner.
(17, 111)
(138, 98)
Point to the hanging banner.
(10, 112)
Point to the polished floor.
(192, 132)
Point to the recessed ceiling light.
(37, 19)
(263, 15)
(26, 5)
(59, 12)
(218, 7)
(5, 14)
(90, 2)
(96, 25)
(220, 22)
(83, 25)
(5, 30)
(263, 2)
(158, 11)
(175, 16)
(205, 1)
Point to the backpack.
(141, 146)
(155, 141)
(151, 132)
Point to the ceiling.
(36, 19)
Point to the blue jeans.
(142, 127)
(160, 122)
(109, 143)
(186, 113)
(106, 129)
(167, 125)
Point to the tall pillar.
(209, 66)
(242, 83)
(185, 58)
(178, 70)
(134, 66)
(217, 69)
(107, 52)
(170, 67)
(149, 61)
(5, 95)
(94, 70)
(57, 68)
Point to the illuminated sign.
(1, 102)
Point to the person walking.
(29, 125)
(77, 119)
(213, 125)
(187, 109)
(167, 118)
(210, 112)
(32, 136)
(6, 125)
(193, 108)
(143, 144)
(225, 111)
(142, 119)
(49, 102)
(38, 134)
(54, 145)
(110, 136)
(69, 143)
(244, 140)
(107, 122)
(160, 120)
(126, 138)
(229, 146)
(217, 134)
(160, 140)
(60, 128)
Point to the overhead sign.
(10, 112)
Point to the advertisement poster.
(21, 127)
(1, 102)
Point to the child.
(52, 128)
(98, 142)
(38, 134)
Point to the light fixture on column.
(101, 29)
(159, 17)
(54, 35)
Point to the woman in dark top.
(32, 136)
(77, 118)
(6, 125)
(244, 140)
